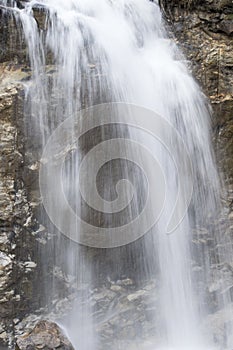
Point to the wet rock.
(125, 282)
(217, 324)
(226, 26)
(116, 288)
(222, 279)
(19, 271)
(45, 336)
(12, 47)
(136, 296)
(131, 317)
(120, 316)
(206, 40)
(12, 42)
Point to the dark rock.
(44, 336)
(206, 40)
(226, 26)
(19, 269)
(12, 45)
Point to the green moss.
(230, 16)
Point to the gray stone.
(226, 26)
(44, 336)
(136, 295)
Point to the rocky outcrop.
(16, 223)
(45, 336)
(13, 47)
(12, 44)
(24, 243)
(123, 314)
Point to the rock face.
(45, 336)
(124, 314)
(11, 46)
(23, 241)
(15, 214)
(203, 30)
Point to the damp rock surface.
(18, 243)
(204, 32)
(45, 336)
(123, 314)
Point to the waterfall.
(117, 53)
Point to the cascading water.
(118, 51)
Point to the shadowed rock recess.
(204, 31)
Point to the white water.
(118, 50)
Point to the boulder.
(44, 336)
